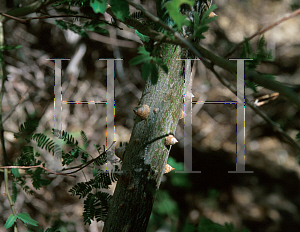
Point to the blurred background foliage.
(267, 200)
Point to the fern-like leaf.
(27, 156)
(81, 189)
(98, 148)
(43, 141)
(114, 175)
(101, 159)
(65, 136)
(26, 129)
(102, 180)
(84, 139)
(89, 209)
(96, 206)
(37, 181)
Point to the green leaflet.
(154, 73)
(202, 26)
(96, 204)
(261, 54)
(146, 70)
(200, 30)
(205, 18)
(140, 59)
(6, 47)
(15, 172)
(120, 8)
(73, 27)
(14, 191)
(144, 38)
(10, 221)
(99, 6)
(95, 26)
(150, 66)
(173, 9)
(37, 181)
(25, 217)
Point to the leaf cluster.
(173, 8)
(198, 25)
(201, 25)
(261, 54)
(150, 66)
(96, 202)
(258, 56)
(170, 13)
(78, 29)
(24, 217)
(89, 8)
(140, 17)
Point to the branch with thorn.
(82, 166)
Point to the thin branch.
(155, 19)
(217, 60)
(14, 18)
(57, 16)
(153, 34)
(7, 193)
(276, 126)
(289, 16)
(276, 86)
(201, 52)
(112, 41)
(82, 166)
(28, 9)
(3, 79)
(36, 166)
(224, 63)
(230, 66)
(15, 107)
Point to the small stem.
(36, 166)
(56, 16)
(291, 15)
(276, 126)
(9, 197)
(3, 78)
(168, 28)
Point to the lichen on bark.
(144, 161)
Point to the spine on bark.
(170, 140)
(169, 168)
(142, 111)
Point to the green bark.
(146, 155)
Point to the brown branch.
(15, 107)
(3, 78)
(291, 15)
(184, 41)
(276, 126)
(112, 41)
(82, 166)
(37, 166)
(14, 18)
(212, 59)
(28, 9)
(56, 16)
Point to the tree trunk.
(146, 154)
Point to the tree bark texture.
(146, 154)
